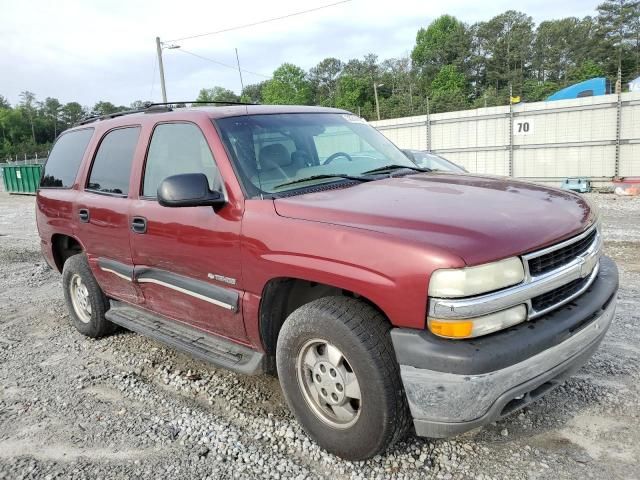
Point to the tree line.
(452, 66)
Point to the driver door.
(187, 260)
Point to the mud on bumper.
(455, 386)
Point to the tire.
(87, 309)
(349, 428)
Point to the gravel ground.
(126, 406)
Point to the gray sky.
(88, 51)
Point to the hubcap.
(329, 384)
(80, 298)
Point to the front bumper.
(453, 386)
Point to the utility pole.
(510, 130)
(616, 169)
(375, 93)
(428, 126)
(161, 68)
(410, 99)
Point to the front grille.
(552, 260)
(549, 299)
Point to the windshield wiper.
(395, 167)
(320, 177)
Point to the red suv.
(299, 239)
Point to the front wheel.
(340, 377)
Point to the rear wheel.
(85, 300)
(340, 377)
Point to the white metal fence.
(593, 137)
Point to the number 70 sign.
(523, 126)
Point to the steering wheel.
(331, 158)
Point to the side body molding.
(121, 270)
(214, 294)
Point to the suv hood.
(478, 218)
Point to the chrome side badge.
(221, 278)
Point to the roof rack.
(154, 108)
(197, 102)
(95, 118)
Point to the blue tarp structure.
(634, 85)
(588, 88)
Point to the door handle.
(83, 213)
(139, 225)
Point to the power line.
(221, 63)
(260, 22)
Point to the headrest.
(273, 155)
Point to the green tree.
(504, 47)
(5, 113)
(107, 108)
(444, 42)
(554, 49)
(537, 90)
(324, 81)
(400, 95)
(490, 97)
(354, 90)
(72, 113)
(51, 109)
(585, 71)
(217, 94)
(448, 90)
(4, 103)
(139, 104)
(353, 94)
(253, 93)
(289, 86)
(619, 21)
(27, 105)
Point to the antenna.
(239, 72)
(246, 109)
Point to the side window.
(177, 148)
(112, 165)
(65, 158)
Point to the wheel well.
(281, 296)
(63, 247)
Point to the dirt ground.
(126, 406)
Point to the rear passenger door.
(102, 213)
(187, 260)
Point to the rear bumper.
(485, 383)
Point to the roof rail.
(95, 118)
(155, 108)
(196, 102)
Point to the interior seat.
(275, 163)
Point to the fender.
(388, 271)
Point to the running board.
(210, 348)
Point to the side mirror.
(188, 190)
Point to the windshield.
(433, 162)
(273, 152)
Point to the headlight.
(464, 282)
(475, 327)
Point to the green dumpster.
(21, 178)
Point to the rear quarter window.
(112, 164)
(63, 163)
